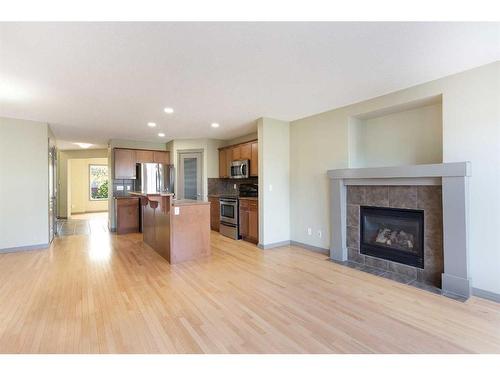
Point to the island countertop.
(143, 194)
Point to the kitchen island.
(178, 230)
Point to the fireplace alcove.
(393, 234)
(453, 178)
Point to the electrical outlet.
(270, 187)
(309, 231)
(319, 233)
(177, 211)
(234, 186)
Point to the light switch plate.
(177, 210)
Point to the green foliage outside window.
(98, 182)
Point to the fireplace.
(392, 233)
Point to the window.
(98, 176)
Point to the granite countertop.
(142, 194)
(233, 196)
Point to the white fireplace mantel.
(454, 178)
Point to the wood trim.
(138, 149)
(237, 144)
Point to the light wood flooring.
(103, 293)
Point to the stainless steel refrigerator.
(154, 178)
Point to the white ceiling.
(97, 81)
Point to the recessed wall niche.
(406, 134)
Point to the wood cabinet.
(249, 220)
(124, 167)
(214, 213)
(223, 169)
(254, 159)
(243, 151)
(162, 157)
(127, 215)
(126, 159)
(144, 156)
(229, 153)
(236, 153)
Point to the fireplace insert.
(394, 234)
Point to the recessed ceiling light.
(169, 110)
(161, 134)
(83, 145)
(152, 124)
(215, 125)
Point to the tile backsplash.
(122, 187)
(218, 186)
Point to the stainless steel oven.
(239, 169)
(229, 223)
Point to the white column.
(455, 278)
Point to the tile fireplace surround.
(452, 178)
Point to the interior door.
(190, 175)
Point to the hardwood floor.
(112, 294)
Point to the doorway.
(190, 175)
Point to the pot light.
(215, 125)
(83, 145)
(11, 91)
(152, 124)
(161, 134)
(169, 110)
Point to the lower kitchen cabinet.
(127, 215)
(249, 220)
(214, 213)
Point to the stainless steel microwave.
(239, 169)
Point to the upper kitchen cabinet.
(236, 153)
(242, 151)
(245, 151)
(223, 168)
(144, 156)
(254, 159)
(124, 167)
(162, 157)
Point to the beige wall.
(407, 137)
(274, 181)
(243, 138)
(23, 183)
(79, 183)
(64, 194)
(471, 132)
